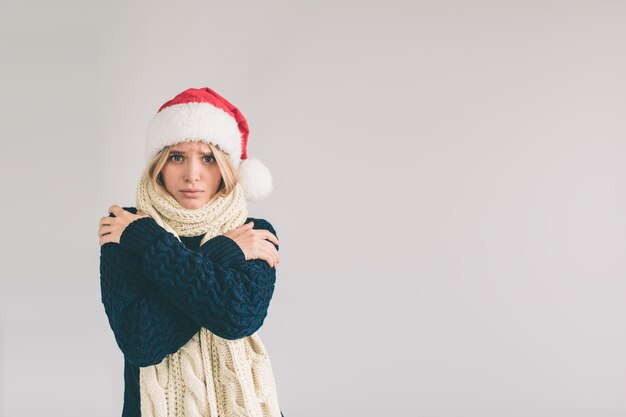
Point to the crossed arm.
(157, 292)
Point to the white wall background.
(449, 195)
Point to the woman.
(187, 276)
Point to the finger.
(262, 253)
(105, 227)
(270, 251)
(267, 256)
(115, 209)
(104, 230)
(266, 234)
(105, 221)
(276, 254)
(106, 239)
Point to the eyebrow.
(184, 153)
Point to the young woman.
(186, 276)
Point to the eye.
(175, 155)
(211, 158)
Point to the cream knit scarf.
(209, 376)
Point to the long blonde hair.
(230, 175)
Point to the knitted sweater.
(157, 292)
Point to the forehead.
(191, 146)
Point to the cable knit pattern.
(187, 318)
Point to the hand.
(256, 244)
(111, 228)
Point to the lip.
(191, 192)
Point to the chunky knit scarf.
(209, 376)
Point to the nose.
(192, 171)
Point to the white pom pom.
(255, 179)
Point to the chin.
(193, 204)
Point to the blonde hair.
(230, 175)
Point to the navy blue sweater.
(157, 293)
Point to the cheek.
(216, 176)
(166, 175)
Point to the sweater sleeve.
(146, 326)
(230, 298)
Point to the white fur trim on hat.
(255, 179)
(194, 121)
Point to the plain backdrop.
(449, 195)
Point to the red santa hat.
(203, 115)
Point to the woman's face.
(191, 166)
